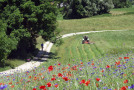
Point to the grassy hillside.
(116, 20)
(105, 43)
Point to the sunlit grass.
(104, 43)
(117, 19)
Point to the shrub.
(87, 8)
(122, 3)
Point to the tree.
(7, 44)
(26, 20)
(87, 8)
(122, 3)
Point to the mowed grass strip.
(100, 22)
(105, 43)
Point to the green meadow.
(117, 19)
(105, 43)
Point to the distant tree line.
(87, 8)
(122, 3)
(22, 21)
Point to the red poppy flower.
(87, 82)
(81, 63)
(92, 64)
(82, 81)
(30, 76)
(54, 75)
(49, 84)
(63, 68)
(74, 68)
(97, 79)
(12, 86)
(126, 81)
(50, 68)
(126, 57)
(1, 83)
(10, 83)
(65, 78)
(120, 58)
(107, 66)
(53, 79)
(42, 87)
(34, 88)
(102, 70)
(56, 85)
(35, 78)
(60, 75)
(117, 63)
(124, 88)
(59, 64)
(68, 64)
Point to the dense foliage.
(25, 20)
(122, 3)
(87, 8)
(6, 44)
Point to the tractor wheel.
(83, 42)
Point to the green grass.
(12, 63)
(39, 42)
(117, 19)
(105, 43)
(130, 9)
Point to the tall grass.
(108, 73)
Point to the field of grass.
(117, 19)
(105, 43)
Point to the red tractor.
(86, 40)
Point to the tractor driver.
(86, 38)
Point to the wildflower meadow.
(107, 73)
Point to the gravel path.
(47, 47)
